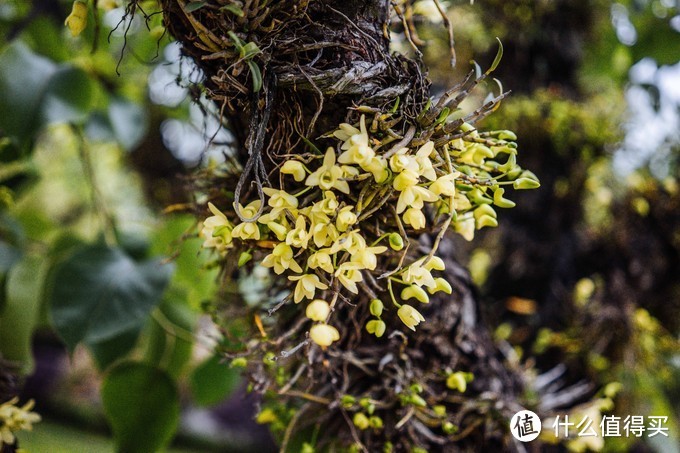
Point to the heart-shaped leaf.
(100, 292)
(141, 403)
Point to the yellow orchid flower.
(324, 234)
(217, 230)
(280, 199)
(425, 168)
(298, 237)
(77, 20)
(415, 218)
(348, 274)
(405, 180)
(306, 286)
(417, 274)
(414, 197)
(248, 230)
(444, 185)
(328, 175)
(321, 260)
(410, 316)
(352, 241)
(346, 218)
(281, 259)
(366, 257)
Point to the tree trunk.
(320, 61)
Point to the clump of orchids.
(339, 222)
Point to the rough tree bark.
(319, 61)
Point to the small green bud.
(449, 428)
(525, 183)
(415, 291)
(388, 447)
(244, 258)
(441, 285)
(347, 401)
(514, 172)
(364, 402)
(307, 448)
(506, 135)
(269, 359)
(439, 410)
(396, 241)
(501, 202)
(467, 127)
(376, 327)
(361, 421)
(376, 307)
(612, 389)
(239, 362)
(476, 196)
(416, 388)
(375, 422)
(417, 400)
(457, 381)
(483, 210)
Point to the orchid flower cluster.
(338, 223)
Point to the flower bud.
(295, 168)
(243, 258)
(361, 421)
(410, 316)
(501, 202)
(449, 428)
(457, 381)
(77, 20)
(396, 241)
(435, 263)
(318, 310)
(376, 327)
(323, 334)
(375, 422)
(376, 307)
(486, 221)
(441, 285)
(525, 183)
(415, 291)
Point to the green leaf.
(68, 98)
(213, 381)
(195, 5)
(256, 75)
(100, 292)
(9, 255)
(108, 351)
(142, 405)
(19, 314)
(24, 77)
(234, 9)
(38, 92)
(171, 335)
(197, 282)
(496, 60)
